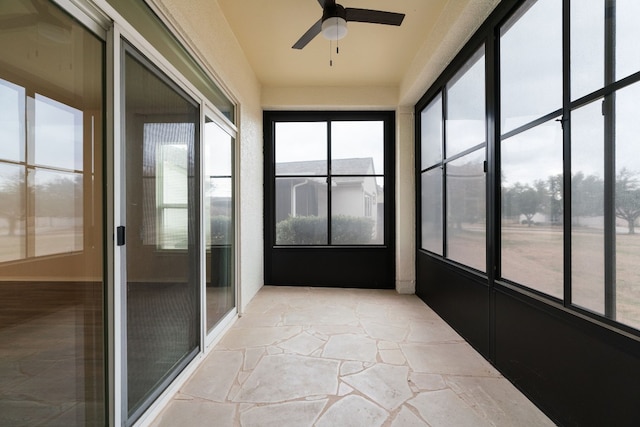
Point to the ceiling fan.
(333, 24)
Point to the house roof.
(353, 166)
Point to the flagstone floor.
(320, 357)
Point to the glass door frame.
(209, 338)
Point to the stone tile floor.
(320, 357)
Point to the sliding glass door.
(52, 364)
(218, 221)
(161, 130)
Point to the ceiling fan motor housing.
(334, 22)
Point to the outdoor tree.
(587, 196)
(526, 200)
(628, 198)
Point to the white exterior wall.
(203, 24)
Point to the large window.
(329, 198)
(453, 202)
(329, 182)
(566, 80)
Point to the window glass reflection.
(432, 227)
(465, 124)
(466, 207)
(13, 244)
(627, 36)
(58, 211)
(219, 222)
(587, 46)
(627, 205)
(58, 137)
(357, 140)
(12, 108)
(301, 211)
(587, 207)
(52, 361)
(431, 133)
(531, 231)
(301, 148)
(357, 209)
(531, 64)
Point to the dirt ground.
(533, 256)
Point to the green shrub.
(312, 230)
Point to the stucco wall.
(202, 24)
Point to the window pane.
(587, 47)
(52, 341)
(431, 133)
(627, 206)
(58, 212)
(532, 208)
(587, 207)
(466, 206)
(301, 211)
(12, 115)
(58, 134)
(531, 64)
(172, 172)
(627, 36)
(357, 148)
(432, 211)
(466, 107)
(357, 211)
(12, 213)
(301, 148)
(219, 222)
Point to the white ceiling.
(370, 54)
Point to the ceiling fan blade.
(374, 16)
(309, 35)
(321, 3)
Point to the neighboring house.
(301, 189)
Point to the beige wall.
(203, 22)
(210, 35)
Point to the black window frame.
(347, 265)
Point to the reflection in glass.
(531, 64)
(301, 148)
(301, 211)
(627, 36)
(13, 244)
(12, 116)
(432, 210)
(587, 207)
(57, 197)
(531, 230)
(354, 141)
(587, 46)
(627, 205)
(219, 222)
(51, 223)
(162, 295)
(466, 207)
(357, 211)
(58, 142)
(465, 124)
(431, 133)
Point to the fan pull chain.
(330, 54)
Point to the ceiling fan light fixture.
(334, 28)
